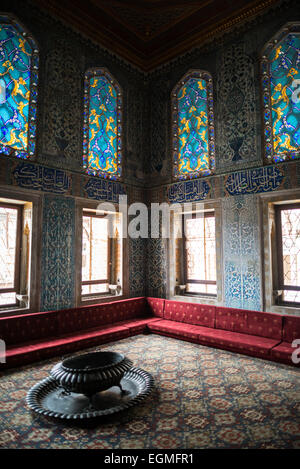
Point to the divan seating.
(251, 332)
(36, 336)
(254, 333)
(291, 332)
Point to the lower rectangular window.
(10, 239)
(288, 253)
(95, 254)
(200, 254)
(101, 253)
(194, 251)
(15, 253)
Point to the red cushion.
(200, 315)
(72, 320)
(96, 315)
(106, 331)
(86, 317)
(27, 353)
(175, 310)
(283, 352)
(176, 329)
(264, 324)
(230, 319)
(243, 343)
(291, 328)
(137, 326)
(127, 309)
(156, 306)
(181, 329)
(28, 327)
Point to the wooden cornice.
(202, 22)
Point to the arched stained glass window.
(18, 89)
(102, 137)
(193, 126)
(281, 95)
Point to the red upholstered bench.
(241, 331)
(32, 337)
(291, 331)
(251, 332)
(36, 336)
(186, 321)
(254, 333)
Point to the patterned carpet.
(204, 398)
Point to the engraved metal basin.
(91, 372)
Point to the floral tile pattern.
(241, 250)
(58, 276)
(203, 398)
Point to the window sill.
(14, 311)
(100, 299)
(287, 310)
(210, 300)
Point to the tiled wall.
(58, 247)
(241, 253)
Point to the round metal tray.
(49, 399)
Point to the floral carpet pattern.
(203, 398)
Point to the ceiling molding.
(150, 33)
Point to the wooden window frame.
(16, 287)
(91, 214)
(280, 279)
(208, 214)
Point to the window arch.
(19, 64)
(102, 132)
(280, 68)
(193, 126)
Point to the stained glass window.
(102, 139)
(193, 126)
(18, 89)
(281, 95)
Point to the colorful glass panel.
(18, 90)
(102, 141)
(193, 127)
(281, 95)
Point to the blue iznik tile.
(58, 273)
